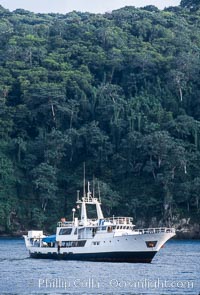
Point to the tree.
(8, 202)
(45, 184)
(110, 198)
(191, 4)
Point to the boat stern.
(33, 237)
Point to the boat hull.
(132, 257)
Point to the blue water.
(174, 270)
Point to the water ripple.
(175, 270)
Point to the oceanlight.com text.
(151, 284)
(116, 284)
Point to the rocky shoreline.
(191, 232)
(185, 230)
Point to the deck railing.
(119, 220)
(116, 221)
(111, 220)
(65, 224)
(155, 230)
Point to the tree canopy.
(119, 91)
(191, 4)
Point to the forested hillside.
(120, 92)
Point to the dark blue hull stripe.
(143, 257)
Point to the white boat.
(113, 239)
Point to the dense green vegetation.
(120, 92)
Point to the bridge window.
(65, 231)
(68, 244)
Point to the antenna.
(93, 183)
(88, 194)
(84, 180)
(99, 192)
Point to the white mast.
(83, 212)
(99, 211)
(99, 192)
(93, 188)
(84, 180)
(88, 199)
(88, 193)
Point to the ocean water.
(174, 270)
